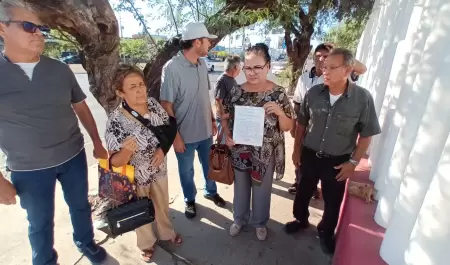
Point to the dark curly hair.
(122, 72)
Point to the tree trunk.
(94, 26)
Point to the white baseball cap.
(196, 30)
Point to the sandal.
(147, 255)
(178, 240)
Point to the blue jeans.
(186, 169)
(36, 190)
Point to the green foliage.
(134, 49)
(347, 34)
(59, 42)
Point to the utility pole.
(243, 40)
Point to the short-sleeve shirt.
(333, 129)
(187, 86)
(120, 126)
(224, 84)
(38, 127)
(257, 159)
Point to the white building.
(406, 49)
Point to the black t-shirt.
(224, 84)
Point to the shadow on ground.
(206, 242)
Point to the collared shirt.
(333, 130)
(38, 127)
(187, 86)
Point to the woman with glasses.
(254, 167)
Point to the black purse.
(165, 133)
(130, 216)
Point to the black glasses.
(256, 69)
(30, 27)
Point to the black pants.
(314, 168)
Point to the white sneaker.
(235, 230)
(261, 233)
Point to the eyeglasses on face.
(29, 27)
(330, 68)
(255, 69)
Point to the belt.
(320, 154)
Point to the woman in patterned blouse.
(254, 167)
(130, 142)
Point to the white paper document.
(248, 128)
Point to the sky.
(130, 25)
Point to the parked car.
(209, 64)
(71, 59)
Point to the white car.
(209, 64)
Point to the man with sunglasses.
(40, 100)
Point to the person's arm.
(368, 126)
(170, 83)
(298, 97)
(300, 129)
(84, 114)
(359, 68)
(7, 191)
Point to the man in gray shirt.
(332, 115)
(185, 95)
(40, 100)
(224, 84)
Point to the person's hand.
(214, 128)
(130, 144)
(347, 170)
(99, 151)
(273, 108)
(7, 192)
(178, 144)
(158, 157)
(296, 157)
(229, 141)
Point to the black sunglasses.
(30, 27)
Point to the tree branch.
(173, 17)
(141, 20)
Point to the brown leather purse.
(220, 168)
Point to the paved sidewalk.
(206, 239)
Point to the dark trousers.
(312, 169)
(36, 190)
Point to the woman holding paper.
(130, 142)
(255, 163)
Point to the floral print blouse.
(119, 127)
(256, 159)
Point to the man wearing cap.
(185, 95)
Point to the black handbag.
(125, 216)
(130, 216)
(165, 133)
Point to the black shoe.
(327, 243)
(216, 199)
(94, 253)
(189, 210)
(293, 189)
(295, 226)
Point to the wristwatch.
(354, 162)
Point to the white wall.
(406, 48)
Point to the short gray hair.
(232, 62)
(346, 54)
(7, 5)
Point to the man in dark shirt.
(223, 86)
(334, 114)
